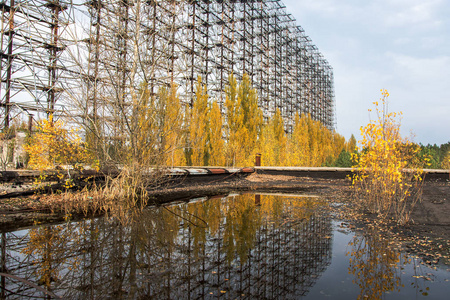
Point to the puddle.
(236, 247)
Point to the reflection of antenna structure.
(55, 51)
(164, 256)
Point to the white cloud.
(421, 70)
(400, 45)
(402, 13)
(420, 90)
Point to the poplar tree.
(267, 142)
(274, 142)
(144, 127)
(234, 123)
(252, 118)
(215, 136)
(313, 134)
(170, 120)
(280, 139)
(243, 121)
(198, 126)
(299, 142)
(350, 145)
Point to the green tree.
(344, 159)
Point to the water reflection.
(376, 264)
(243, 246)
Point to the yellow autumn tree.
(243, 122)
(198, 127)
(144, 135)
(344, 158)
(323, 145)
(313, 135)
(266, 149)
(277, 124)
(337, 145)
(350, 145)
(252, 119)
(299, 143)
(382, 184)
(234, 124)
(53, 145)
(446, 161)
(215, 136)
(155, 128)
(273, 144)
(310, 144)
(170, 127)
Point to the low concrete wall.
(203, 172)
(338, 173)
(178, 172)
(313, 172)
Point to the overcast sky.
(399, 45)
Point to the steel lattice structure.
(33, 67)
(58, 53)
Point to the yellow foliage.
(299, 143)
(446, 161)
(350, 146)
(48, 247)
(198, 125)
(243, 120)
(267, 142)
(156, 135)
(216, 142)
(53, 145)
(381, 183)
(274, 142)
(144, 137)
(252, 119)
(170, 130)
(234, 119)
(310, 143)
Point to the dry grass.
(122, 197)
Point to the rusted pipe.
(257, 200)
(258, 160)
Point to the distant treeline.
(439, 156)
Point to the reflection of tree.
(232, 245)
(374, 263)
(242, 221)
(47, 245)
